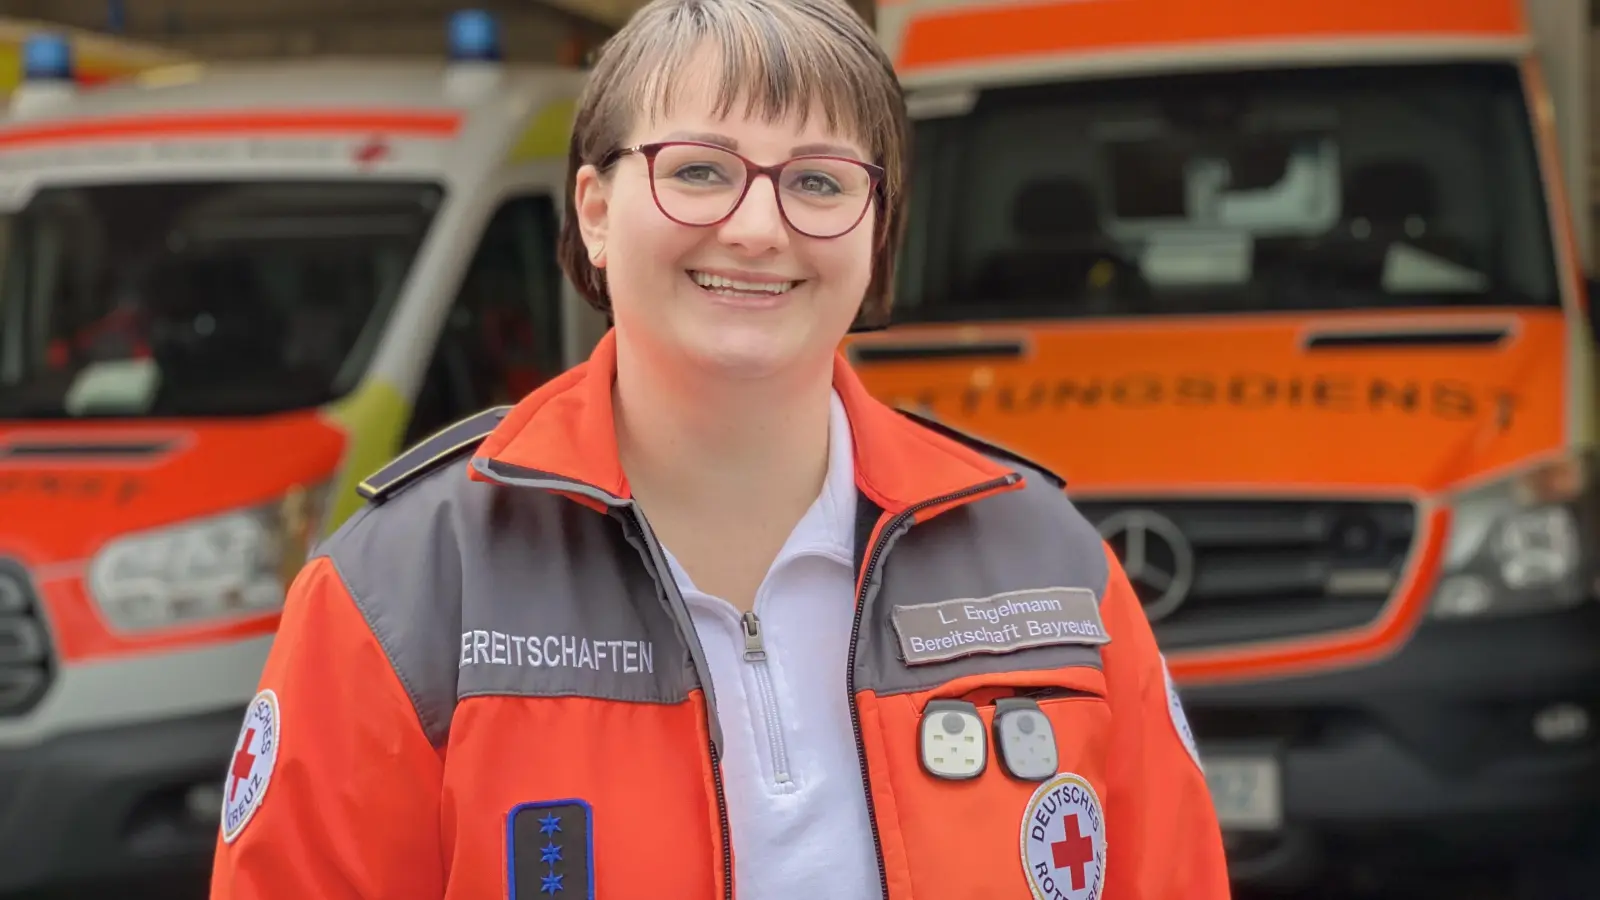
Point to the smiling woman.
(817, 101)
(710, 591)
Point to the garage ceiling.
(617, 11)
(612, 12)
(534, 30)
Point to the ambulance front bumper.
(115, 806)
(1477, 742)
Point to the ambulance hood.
(1359, 402)
(69, 487)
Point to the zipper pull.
(753, 650)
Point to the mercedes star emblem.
(1156, 556)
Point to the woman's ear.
(591, 197)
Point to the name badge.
(1004, 623)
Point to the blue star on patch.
(550, 850)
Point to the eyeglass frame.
(875, 176)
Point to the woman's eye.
(698, 174)
(816, 183)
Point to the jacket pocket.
(966, 837)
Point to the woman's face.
(750, 297)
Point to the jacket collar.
(565, 429)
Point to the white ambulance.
(227, 294)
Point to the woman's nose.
(757, 224)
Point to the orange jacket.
(486, 685)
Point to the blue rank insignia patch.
(550, 850)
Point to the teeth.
(718, 283)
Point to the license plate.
(1247, 792)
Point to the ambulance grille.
(1219, 572)
(24, 643)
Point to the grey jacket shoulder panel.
(475, 589)
(402, 566)
(1041, 516)
(1019, 543)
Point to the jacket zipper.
(664, 572)
(755, 653)
(878, 549)
(722, 817)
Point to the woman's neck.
(703, 448)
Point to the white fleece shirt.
(792, 776)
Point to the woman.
(726, 623)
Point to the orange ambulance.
(1293, 295)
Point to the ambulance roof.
(312, 118)
(308, 84)
(943, 41)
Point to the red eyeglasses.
(700, 185)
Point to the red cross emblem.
(243, 762)
(253, 760)
(1073, 852)
(373, 151)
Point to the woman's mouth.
(734, 287)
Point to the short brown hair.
(780, 57)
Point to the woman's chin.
(745, 351)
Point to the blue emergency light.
(474, 37)
(47, 57)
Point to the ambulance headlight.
(47, 57)
(474, 37)
(234, 565)
(1515, 545)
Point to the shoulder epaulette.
(429, 454)
(982, 446)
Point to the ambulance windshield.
(199, 299)
(1261, 191)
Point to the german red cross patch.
(1064, 840)
(250, 766)
(1180, 721)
